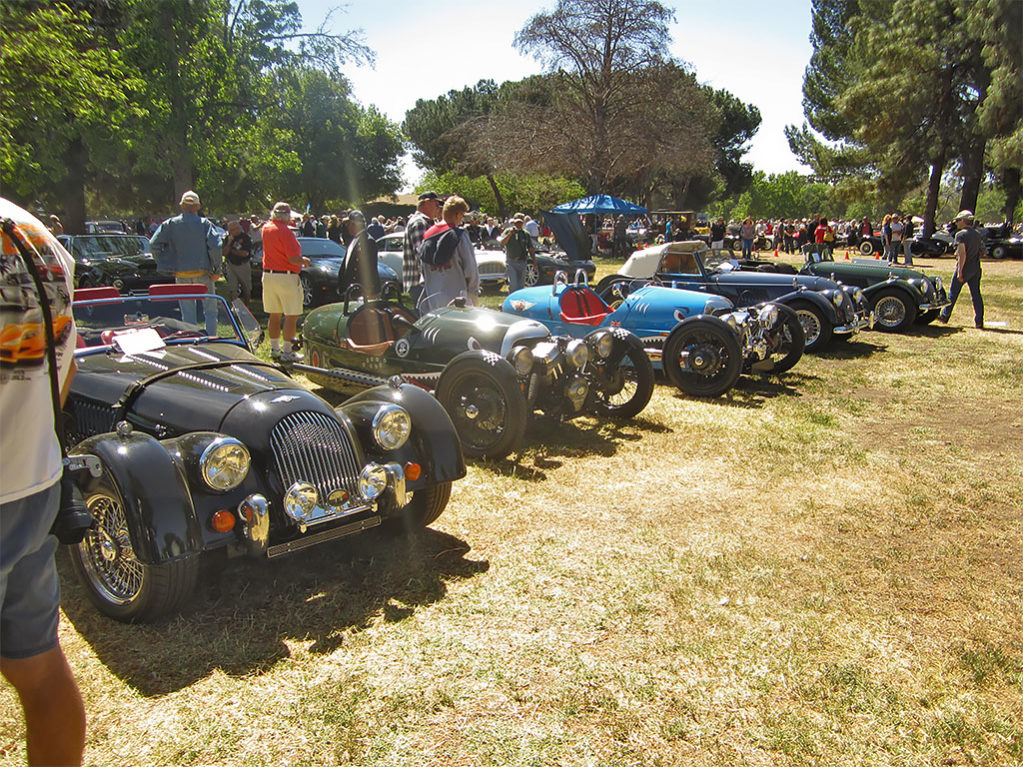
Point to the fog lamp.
(372, 481)
(578, 353)
(300, 501)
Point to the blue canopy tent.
(600, 203)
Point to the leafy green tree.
(519, 193)
(63, 92)
(605, 57)
(206, 73)
(338, 152)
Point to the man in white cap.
(282, 286)
(189, 246)
(969, 249)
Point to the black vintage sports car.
(199, 448)
(123, 261)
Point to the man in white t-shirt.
(30, 469)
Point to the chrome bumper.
(856, 326)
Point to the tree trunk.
(73, 196)
(933, 189)
(502, 211)
(184, 178)
(1012, 184)
(973, 174)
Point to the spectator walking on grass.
(969, 249)
(448, 260)
(238, 262)
(429, 209)
(519, 250)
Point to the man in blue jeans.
(518, 248)
(969, 249)
(31, 658)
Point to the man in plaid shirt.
(429, 209)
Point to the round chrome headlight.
(603, 343)
(858, 295)
(391, 427)
(224, 464)
(578, 352)
(938, 283)
(522, 360)
(769, 314)
(300, 501)
(372, 481)
(836, 299)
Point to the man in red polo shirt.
(282, 290)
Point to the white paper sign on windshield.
(138, 341)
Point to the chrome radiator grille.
(313, 447)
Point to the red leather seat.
(93, 294)
(582, 306)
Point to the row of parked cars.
(191, 446)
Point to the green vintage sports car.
(898, 295)
(491, 371)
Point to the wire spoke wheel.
(626, 389)
(108, 556)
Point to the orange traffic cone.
(776, 251)
(877, 256)
(847, 255)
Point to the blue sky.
(754, 49)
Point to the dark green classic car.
(491, 371)
(899, 296)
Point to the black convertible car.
(123, 261)
(196, 447)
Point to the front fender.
(434, 443)
(158, 506)
(812, 297)
(912, 293)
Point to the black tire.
(712, 354)
(531, 275)
(867, 248)
(610, 280)
(115, 581)
(422, 509)
(926, 318)
(787, 343)
(485, 403)
(307, 292)
(630, 386)
(893, 312)
(816, 327)
(999, 252)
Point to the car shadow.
(247, 615)
(848, 350)
(547, 443)
(752, 391)
(934, 330)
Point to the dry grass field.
(821, 569)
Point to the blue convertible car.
(825, 308)
(701, 341)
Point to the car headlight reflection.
(578, 353)
(372, 481)
(224, 464)
(391, 427)
(300, 501)
(836, 299)
(522, 360)
(938, 284)
(602, 343)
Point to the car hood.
(569, 233)
(121, 264)
(877, 270)
(740, 277)
(472, 327)
(190, 387)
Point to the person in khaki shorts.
(282, 290)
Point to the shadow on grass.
(753, 391)
(849, 350)
(934, 330)
(245, 612)
(548, 443)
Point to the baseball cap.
(968, 214)
(430, 196)
(357, 215)
(189, 198)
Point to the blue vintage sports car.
(825, 308)
(701, 341)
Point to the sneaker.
(275, 354)
(942, 319)
(288, 357)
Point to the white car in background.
(490, 262)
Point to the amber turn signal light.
(222, 521)
(412, 471)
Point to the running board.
(316, 538)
